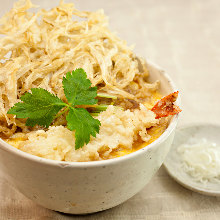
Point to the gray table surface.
(183, 37)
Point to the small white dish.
(173, 162)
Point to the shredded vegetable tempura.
(39, 48)
(103, 109)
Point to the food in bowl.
(38, 52)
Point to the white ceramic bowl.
(87, 187)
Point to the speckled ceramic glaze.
(87, 187)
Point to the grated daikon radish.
(201, 160)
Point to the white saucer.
(173, 160)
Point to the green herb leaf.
(78, 90)
(40, 107)
(84, 124)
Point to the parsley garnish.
(40, 107)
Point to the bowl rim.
(172, 125)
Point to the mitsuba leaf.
(78, 90)
(39, 107)
(84, 125)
